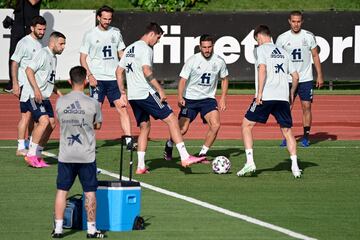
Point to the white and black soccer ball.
(221, 165)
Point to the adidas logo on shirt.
(276, 54)
(131, 52)
(74, 108)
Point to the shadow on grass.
(285, 166)
(318, 137)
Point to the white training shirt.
(135, 57)
(44, 66)
(24, 52)
(102, 48)
(278, 66)
(299, 46)
(202, 76)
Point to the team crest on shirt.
(214, 68)
(34, 50)
(304, 43)
(113, 39)
(97, 41)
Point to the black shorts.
(67, 173)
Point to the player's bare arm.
(294, 85)
(120, 76)
(261, 83)
(31, 77)
(317, 64)
(92, 80)
(224, 90)
(181, 88)
(152, 80)
(14, 75)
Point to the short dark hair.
(154, 27)
(206, 37)
(262, 29)
(77, 75)
(296, 13)
(104, 8)
(37, 20)
(57, 35)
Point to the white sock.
(39, 150)
(204, 150)
(249, 156)
(30, 138)
(127, 140)
(141, 160)
(59, 225)
(91, 227)
(169, 143)
(32, 149)
(21, 144)
(294, 163)
(182, 151)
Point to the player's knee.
(215, 126)
(43, 121)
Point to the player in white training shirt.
(99, 54)
(301, 46)
(41, 75)
(146, 96)
(25, 50)
(272, 65)
(196, 93)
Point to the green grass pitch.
(323, 204)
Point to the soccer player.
(196, 93)
(272, 65)
(41, 78)
(99, 54)
(78, 115)
(24, 52)
(146, 96)
(301, 46)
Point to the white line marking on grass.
(206, 205)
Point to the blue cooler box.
(118, 204)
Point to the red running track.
(334, 117)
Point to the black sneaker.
(97, 234)
(168, 152)
(8, 89)
(56, 235)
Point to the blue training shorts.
(304, 90)
(193, 107)
(110, 89)
(151, 106)
(279, 109)
(39, 109)
(67, 173)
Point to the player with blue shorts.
(146, 96)
(272, 65)
(301, 46)
(196, 93)
(100, 52)
(25, 50)
(78, 115)
(41, 80)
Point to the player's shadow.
(286, 166)
(319, 137)
(175, 163)
(228, 152)
(52, 145)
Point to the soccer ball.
(221, 165)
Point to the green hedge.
(166, 5)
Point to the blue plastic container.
(118, 204)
